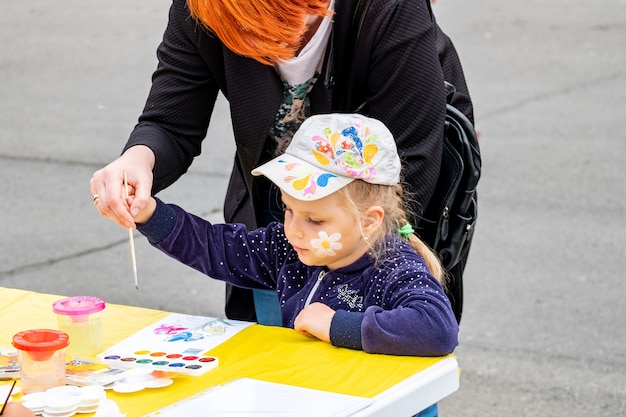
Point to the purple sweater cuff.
(345, 329)
(160, 224)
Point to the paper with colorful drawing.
(177, 343)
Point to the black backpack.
(448, 222)
(450, 217)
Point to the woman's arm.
(176, 116)
(170, 130)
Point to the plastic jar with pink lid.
(41, 355)
(80, 317)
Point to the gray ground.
(543, 328)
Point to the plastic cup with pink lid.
(81, 318)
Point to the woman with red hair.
(277, 62)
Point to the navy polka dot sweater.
(392, 307)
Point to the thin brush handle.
(131, 239)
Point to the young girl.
(345, 264)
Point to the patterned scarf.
(294, 109)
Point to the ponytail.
(432, 261)
(360, 195)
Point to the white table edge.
(417, 392)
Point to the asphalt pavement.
(543, 327)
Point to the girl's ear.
(373, 219)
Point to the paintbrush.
(131, 239)
(8, 398)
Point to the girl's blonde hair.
(268, 31)
(359, 195)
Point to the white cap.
(329, 151)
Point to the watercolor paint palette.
(178, 343)
(185, 363)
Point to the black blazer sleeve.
(176, 116)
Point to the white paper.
(247, 397)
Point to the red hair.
(268, 31)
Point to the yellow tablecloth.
(267, 353)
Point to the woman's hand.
(107, 185)
(315, 320)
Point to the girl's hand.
(107, 186)
(315, 320)
(14, 409)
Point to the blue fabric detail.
(431, 411)
(267, 307)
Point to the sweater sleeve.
(406, 312)
(412, 331)
(415, 317)
(228, 252)
(345, 329)
(160, 225)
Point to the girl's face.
(323, 232)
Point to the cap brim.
(300, 179)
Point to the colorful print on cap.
(304, 179)
(352, 150)
(330, 151)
